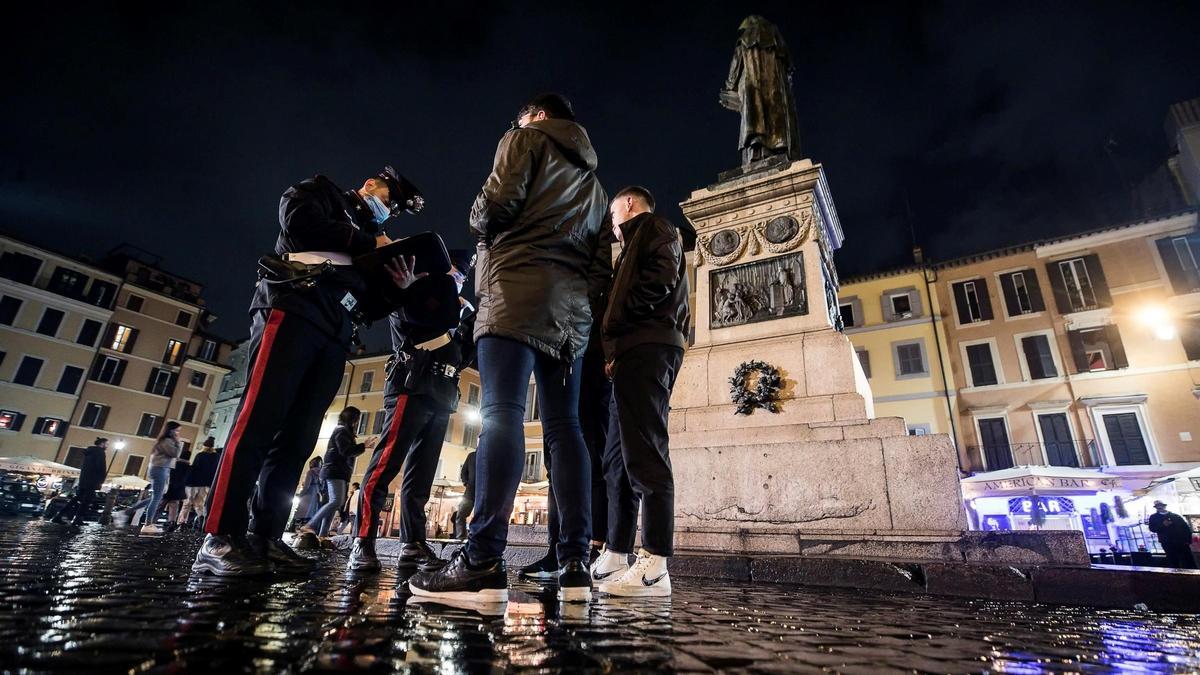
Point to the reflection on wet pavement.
(107, 600)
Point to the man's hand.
(401, 271)
(382, 240)
(609, 367)
(371, 442)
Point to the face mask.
(378, 210)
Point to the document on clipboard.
(429, 254)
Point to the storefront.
(46, 475)
(1052, 498)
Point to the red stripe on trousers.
(364, 517)
(213, 523)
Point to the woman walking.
(177, 488)
(162, 460)
(309, 497)
(335, 472)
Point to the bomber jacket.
(648, 302)
(338, 462)
(538, 223)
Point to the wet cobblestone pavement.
(106, 600)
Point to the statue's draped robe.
(760, 87)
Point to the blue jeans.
(159, 477)
(323, 518)
(504, 369)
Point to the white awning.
(1042, 480)
(129, 482)
(31, 464)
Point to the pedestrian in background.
(199, 481)
(645, 332)
(177, 489)
(336, 468)
(309, 496)
(466, 474)
(162, 459)
(1175, 536)
(91, 477)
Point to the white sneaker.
(646, 578)
(609, 566)
(150, 529)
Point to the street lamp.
(1159, 321)
(472, 415)
(119, 445)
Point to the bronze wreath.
(765, 395)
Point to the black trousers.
(595, 394)
(414, 428)
(295, 370)
(1179, 556)
(637, 463)
(78, 505)
(461, 513)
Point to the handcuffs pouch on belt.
(423, 370)
(304, 276)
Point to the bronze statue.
(760, 88)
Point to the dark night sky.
(177, 127)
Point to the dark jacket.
(538, 219)
(431, 372)
(204, 469)
(94, 469)
(316, 215)
(648, 302)
(1171, 528)
(175, 486)
(338, 462)
(467, 475)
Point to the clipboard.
(427, 248)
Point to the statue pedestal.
(822, 476)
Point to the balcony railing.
(1055, 453)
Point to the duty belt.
(319, 258)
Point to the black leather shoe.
(542, 570)
(362, 556)
(574, 582)
(280, 555)
(229, 556)
(460, 580)
(417, 554)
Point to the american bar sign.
(1051, 483)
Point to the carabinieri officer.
(303, 320)
(429, 354)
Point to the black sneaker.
(460, 580)
(281, 556)
(362, 556)
(542, 570)
(418, 555)
(574, 582)
(229, 556)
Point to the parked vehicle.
(20, 498)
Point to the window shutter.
(1175, 273)
(1035, 290)
(1099, 283)
(18, 421)
(914, 301)
(156, 428)
(1061, 301)
(1009, 291)
(96, 363)
(985, 300)
(1115, 346)
(1076, 339)
(109, 335)
(62, 429)
(133, 336)
(885, 305)
(102, 417)
(150, 380)
(171, 384)
(960, 304)
(120, 375)
(1189, 334)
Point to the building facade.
(53, 312)
(894, 323)
(113, 349)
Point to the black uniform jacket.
(316, 215)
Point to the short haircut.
(554, 105)
(639, 191)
